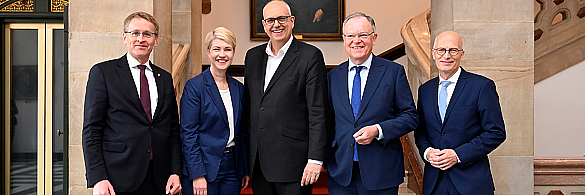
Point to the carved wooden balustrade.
(559, 36)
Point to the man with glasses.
(460, 124)
(131, 140)
(285, 96)
(373, 107)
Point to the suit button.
(148, 150)
(352, 145)
(355, 125)
(442, 133)
(262, 108)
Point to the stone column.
(498, 42)
(162, 54)
(196, 38)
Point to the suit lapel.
(262, 69)
(159, 87)
(342, 86)
(235, 94)
(377, 71)
(461, 82)
(129, 85)
(435, 98)
(213, 92)
(288, 59)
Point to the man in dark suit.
(131, 140)
(460, 124)
(285, 97)
(373, 108)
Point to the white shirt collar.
(367, 63)
(282, 50)
(453, 79)
(133, 63)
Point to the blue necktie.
(356, 99)
(443, 99)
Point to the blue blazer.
(473, 127)
(204, 127)
(386, 100)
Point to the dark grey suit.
(286, 122)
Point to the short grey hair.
(357, 15)
(287, 7)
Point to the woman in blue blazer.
(214, 151)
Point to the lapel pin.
(158, 74)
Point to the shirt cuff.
(427, 151)
(458, 161)
(316, 162)
(380, 133)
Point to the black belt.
(229, 149)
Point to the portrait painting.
(314, 19)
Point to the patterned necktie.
(144, 92)
(443, 99)
(356, 99)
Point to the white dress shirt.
(364, 78)
(227, 103)
(133, 63)
(274, 60)
(450, 90)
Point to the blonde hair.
(223, 34)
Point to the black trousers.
(147, 187)
(261, 186)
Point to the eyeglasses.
(281, 20)
(145, 34)
(452, 51)
(361, 35)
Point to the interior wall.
(558, 119)
(235, 15)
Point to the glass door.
(34, 91)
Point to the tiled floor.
(23, 178)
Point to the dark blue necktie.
(356, 98)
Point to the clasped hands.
(442, 159)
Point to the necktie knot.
(358, 69)
(445, 84)
(142, 67)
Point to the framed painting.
(315, 20)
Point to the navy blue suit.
(473, 127)
(205, 130)
(387, 101)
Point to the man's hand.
(311, 174)
(318, 15)
(200, 186)
(445, 160)
(173, 184)
(365, 135)
(245, 182)
(103, 187)
(433, 155)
